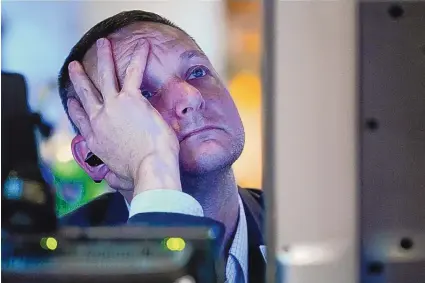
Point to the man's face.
(181, 84)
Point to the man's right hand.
(121, 127)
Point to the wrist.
(157, 172)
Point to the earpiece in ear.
(93, 160)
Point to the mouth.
(197, 131)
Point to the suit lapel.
(254, 219)
(117, 212)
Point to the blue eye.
(197, 72)
(147, 94)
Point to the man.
(145, 99)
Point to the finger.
(80, 118)
(106, 69)
(84, 88)
(134, 73)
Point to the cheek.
(208, 86)
(211, 89)
(166, 111)
(218, 100)
(220, 106)
(213, 92)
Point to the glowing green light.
(175, 244)
(49, 243)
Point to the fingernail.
(71, 66)
(70, 101)
(100, 42)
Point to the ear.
(80, 151)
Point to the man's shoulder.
(95, 212)
(257, 193)
(110, 209)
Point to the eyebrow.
(192, 53)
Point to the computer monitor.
(115, 254)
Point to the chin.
(208, 157)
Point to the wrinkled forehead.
(169, 40)
(156, 33)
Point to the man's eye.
(147, 94)
(197, 72)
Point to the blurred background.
(350, 146)
(38, 35)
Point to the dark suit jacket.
(111, 210)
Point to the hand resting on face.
(120, 126)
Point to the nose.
(187, 99)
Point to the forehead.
(169, 40)
(155, 33)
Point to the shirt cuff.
(168, 201)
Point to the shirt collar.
(126, 203)
(239, 247)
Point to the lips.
(197, 131)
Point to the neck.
(128, 195)
(217, 193)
